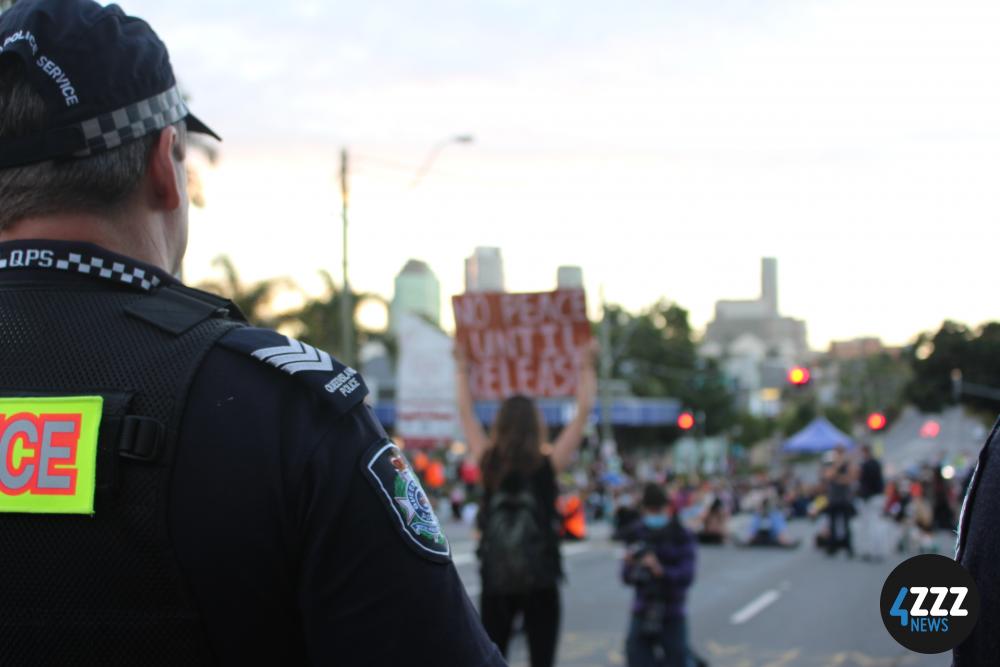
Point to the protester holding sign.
(519, 555)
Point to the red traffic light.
(876, 421)
(799, 375)
(685, 421)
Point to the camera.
(649, 588)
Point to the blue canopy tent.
(819, 436)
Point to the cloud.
(663, 146)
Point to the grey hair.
(99, 184)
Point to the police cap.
(105, 77)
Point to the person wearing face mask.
(660, 564)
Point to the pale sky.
(662, 146)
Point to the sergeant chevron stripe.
(296, 356)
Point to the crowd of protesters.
(856, 506)
(847, 500)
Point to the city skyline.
(735, 312)
(663, 147)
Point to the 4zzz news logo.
(920, 619)
(930, 604)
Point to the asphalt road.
(755, 607)
(748, 607)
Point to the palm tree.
(317, 322)
(320, 320)
(253, 300)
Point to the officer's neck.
(143, 240)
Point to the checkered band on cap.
(111, 130)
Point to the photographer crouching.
(659, 563)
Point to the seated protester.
(714, 523)
(798, 501)
(659, 563)
(768, 527)
(920, 520)
(893, 501)
(819, 506)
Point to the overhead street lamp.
(346, 305)
(435, 151)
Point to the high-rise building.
(569, 277)
(769, 284)
(754, 344)
(417, 291)
(484, 271)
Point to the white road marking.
(759, 604)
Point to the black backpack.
(513, 547)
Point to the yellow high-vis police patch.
(48, 454)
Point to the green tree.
(655, 352)
(840, 416)
(710, 393)
(316, 322)
(750, 429)
(873, 383)
(320, 320)
(982, 366)
(976, 353)
(253, 300)
(797, 417)
(934, 357)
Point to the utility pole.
(346, 297)
(607, 359)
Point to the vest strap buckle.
(141, 439)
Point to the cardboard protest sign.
(522, 343)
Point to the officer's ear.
(167, 186)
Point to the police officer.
(978, 550)
(176, 487)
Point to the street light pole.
(346, 297)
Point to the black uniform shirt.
(979, 551)
(293, 550)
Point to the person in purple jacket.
(660, 564)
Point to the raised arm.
(565, 446)
(475, 436)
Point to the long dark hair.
(518, 434)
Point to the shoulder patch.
(340, 384)
(410, 510)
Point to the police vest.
(93, 383)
